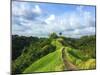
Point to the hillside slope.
(64, 58)
(51, 62)
(56, 54)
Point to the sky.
(42, 19)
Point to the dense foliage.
(18, 44)
(31, 53)
(87, 44)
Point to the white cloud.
(50, 19)
(19, 9)
(37, 9)
(32, 22)
(74, 21)
(23, 9)
(72, 24)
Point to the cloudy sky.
(41, 19)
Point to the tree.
(60, 33)
(53, 35)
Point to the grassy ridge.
(46, 56)
(53, 61)
(50, 62)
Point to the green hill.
(50, 62)
(56, 54)
(54, 61)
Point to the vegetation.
(50, 62)
(33, 54)
(18, 44)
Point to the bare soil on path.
(68, 65)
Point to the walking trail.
(68, 65)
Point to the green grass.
(79, 60)
(56, 43)
(50, 62)
(89, 64)
(53, 61)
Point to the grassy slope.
(51, 62)
(78, 59)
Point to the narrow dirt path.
(68, 65)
